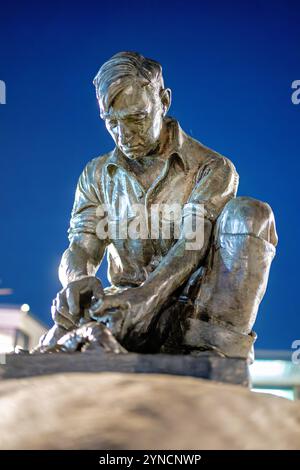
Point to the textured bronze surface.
(163, 297)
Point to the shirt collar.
(171, 147)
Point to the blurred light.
(25, 308)
(6, 343)
(278, 392)
(6, 291)
(267, 369)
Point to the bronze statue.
(164, 296)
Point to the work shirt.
(191, 174)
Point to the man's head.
(133, 102)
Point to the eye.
(138, 118)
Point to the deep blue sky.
(230, 66)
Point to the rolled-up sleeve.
(216, 183)
(87, 200)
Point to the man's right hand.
(67, 307)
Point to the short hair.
(119, 72)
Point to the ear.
(166, 98)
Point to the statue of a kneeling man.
(168, 293)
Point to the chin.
(139, 152)
(134, 155)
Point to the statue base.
(206, 365)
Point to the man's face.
(135, 120)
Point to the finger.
(61, 302)
(98, 307)
(97, 288)
(61, 320)
(73, 300)
(57, 306)
(62, 313)
(105, 303)
(117, 322)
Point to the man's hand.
(67, 308)
(133, 308)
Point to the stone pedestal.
(204, 366)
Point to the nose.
(125, 134)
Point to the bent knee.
(245, 215)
